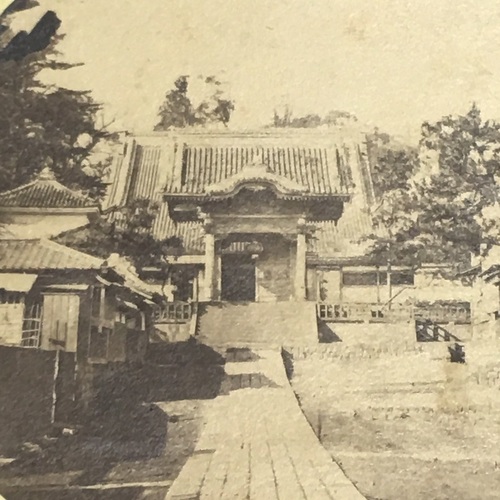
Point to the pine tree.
(42, 124)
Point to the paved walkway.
(257, 444)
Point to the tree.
(285, 119)
(127, 231)
(178, 110)
(445, 215)
(393, 165)
(41, 123)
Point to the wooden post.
(378, 285)
(300, 267)
(54, 386)
(389, 283)
(209, 266)
(195, 289)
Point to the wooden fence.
(38, 392)
(382, 313)
(174, 312)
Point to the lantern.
(254, 248)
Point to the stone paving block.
(256, 444)
(237, 484)
(262, 479)
(215, 478)
(245, 380)
(188, 483)
(308, 477)
(288, 485)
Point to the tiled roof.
(45, 193)
(37, 255)
(152, 166)
(146, 176)
(190, 233)
(317, 170)
(146, 181)
(344, 237)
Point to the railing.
(442, 314)
(361, 312)
(429, 331)
(382, 313)
(174, 312)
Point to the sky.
(393, 63)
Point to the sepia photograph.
(249, 250)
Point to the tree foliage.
(393, 164)
(178, 110)
(127, 231)
(285, 119)
(446, 210)
(41, 123)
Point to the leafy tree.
(178, 111)
(41, 123)
(128, 232)
(447, 211)
(393, 165)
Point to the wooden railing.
(174, 312)
(442, 314)
(428, 331)
(360, 312)
(382, 313)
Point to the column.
(300, 267)
(209, 266)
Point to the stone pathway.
(257, 444)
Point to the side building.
(56, 298)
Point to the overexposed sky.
(393, 63)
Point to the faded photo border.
(249, 249)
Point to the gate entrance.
(238, 278)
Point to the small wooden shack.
(53, 297)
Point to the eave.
(204, 197)
(50, 211)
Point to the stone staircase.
(254, 324)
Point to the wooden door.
(60, 321)
(238, 278)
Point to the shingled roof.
(44, 193)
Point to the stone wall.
(373, 333)
(339, 351)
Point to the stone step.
(227, 324)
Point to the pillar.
(209, 266)
(300, 267)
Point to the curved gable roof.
(198, 163)
(186, 162)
